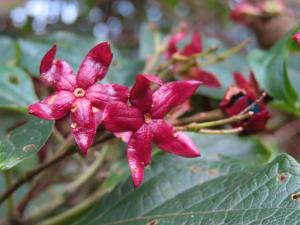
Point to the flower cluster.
(137, 112)
(242, 95)
(247, 10)
(188, 44)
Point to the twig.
(221, 131)
(32, 173)
(195, 127)
(249, 107)
(202, 116)
(226, 54)
(70, 215)
(10, 200)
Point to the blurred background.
(119, 20)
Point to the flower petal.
(95, 65)
(119, 117)
(170, 95)
(206, 78)
(83, 123)
(172, 44)
(53, 107)
(296, 37)
(165, 138)
(100, 95)
(57, 73)
(141, 93)
(194, 47)
(249, 86)
(139, 153)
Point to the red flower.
(144, 118)
(195, 46)
(296, 37)
(240, 96)
(80, 94)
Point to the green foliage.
(8, 51)
(23, 142)
(17, 91)
(182, 191)
(271, 70)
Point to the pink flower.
(144, 119)
(80, 95)
(246, 11)
(296, 37)
(189, 48)
(240, 96)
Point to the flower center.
(147, 118)
(79, 92)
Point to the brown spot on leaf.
(295, 196)
(196, 169)
(152, 222)
(213, 172)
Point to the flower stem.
(10, 200)
(63, 152)
(195, 127)
(74, 213)
(225, 54)
(202, 116)
(221, 131)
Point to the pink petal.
(119, 117)
(57, 73)
(194, 47)
(100, 94)
(296, 37)
(95, 65)
(170, 95)
(165, 138)
(141, 93)
(124, 136)
(206, 78)
(83, 123)
(98, 116)
(53, 107)
(172, 44)
(242, 83)
(139, 153)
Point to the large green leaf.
(272, 73)
(182, 191)
(23, 141)
(8, 51)
(71, 48)
(16, 89)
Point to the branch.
(63, 153)
(195, 127)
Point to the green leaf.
(23, 142)
(13, 84)
(183, 191)
(8, 51)
(271, 71)
(71, 48)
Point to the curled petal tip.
(47, 60)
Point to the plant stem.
(225, 54)
(10, 200)
(72, 214)
(221, 131)
(202, 116)
(92, 170)
(195, 127)
(63, 153)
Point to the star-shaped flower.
(80, 95)
(240, 96)
(187, 44)
(143, 118)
